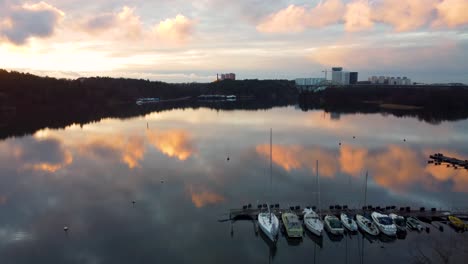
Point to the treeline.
(29, 102)
(434, 103)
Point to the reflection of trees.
(437, 103)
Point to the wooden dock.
(439, 158)
(247, 213)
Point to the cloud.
(29, 20)
(173, 143)
(297, 18)
(405, 15)
(452, 13)
(124, 24)
(177, 30)
(202, 197)
(359, 15)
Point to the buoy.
(227, 158)
(133, 202)
(404, 140)
(65, 228)
(340, 143)
(354, 136)
(162, 181)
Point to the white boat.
(268, 221)
(367, 225)
(333, 225)
(414, 224)
(141, 101)
(348, 222)
(269, 224)
(312, 221)
(399, 222)
(384, 223)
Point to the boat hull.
(292, 225)
(366, 225)
(348, 223)
(270, 229)
(333, 230)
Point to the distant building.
(390, 80)
(353, 78)
(343, 77)
(226, 76)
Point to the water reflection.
(176, 170)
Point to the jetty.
(439, 159)
(247, 212)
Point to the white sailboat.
(312, 220)
(367, 225)
(348, 222)
(384, 223)
(268, 221)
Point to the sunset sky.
(185, 41)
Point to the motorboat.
(399, 222)
(413, 223)
(141, 101)
(312, 221)
(269, 224)
(292, 225)
(384, 223)
(333, 225)
(367, 225)
(457, 222)
(348, 222)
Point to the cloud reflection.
(203, 197)
(396, 168)
(173, 143)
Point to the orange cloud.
(177, 30)
(130, 150)
(297, 18)
(405, 15)
(203, 198)
(297, 157)
(358, 16)
(52, 167)
(353, 160)
(452, 13)
(173, 143)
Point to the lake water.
(175, 166)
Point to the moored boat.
(399, 222)
(292, 225)
(457, 222)
(384, 223)
(312, 221)
(269, 224)
(413, 224)
(333, 225)
(348, 222)
(367, 225)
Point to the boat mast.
(271, 171)
(365, 190)
(318, 192)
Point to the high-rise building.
(337, 75)
(353, 77)
(228, 76)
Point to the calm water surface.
(175, 166)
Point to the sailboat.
(312, 219)
(268, 221)
(363, 221)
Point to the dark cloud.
(23, 22)
(100, 22)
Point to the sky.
(192, 41)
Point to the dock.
(249, 213)
(439, 159)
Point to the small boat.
(457, 222)
(269, 224)
(348, 222)
(292, 225)
(333, 225)
(367, 225)
(413, 224)
(399, 222)
(384, 223)
(312, 221)
(141, 101)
